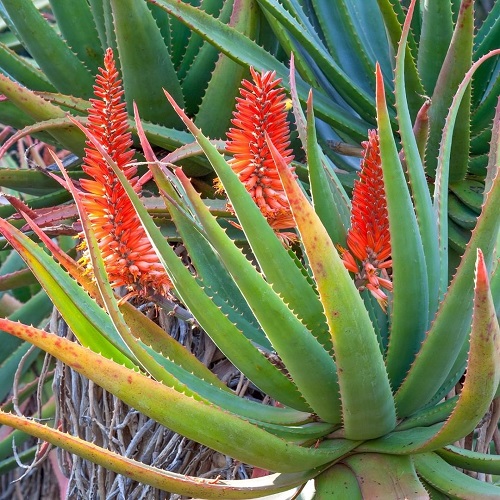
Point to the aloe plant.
(362, 393)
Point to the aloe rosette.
(362, 392)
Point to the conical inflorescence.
(128, 255)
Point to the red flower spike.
(369, 244)
(128, 255)
(262, 109)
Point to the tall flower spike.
(260, 109)
(369, 244)
(128, 255)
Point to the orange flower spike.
(261, 109)
(368, 239)
(128, 255)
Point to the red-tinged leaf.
(367, 409)
(483, 367)
(188, 486)
(196, 420)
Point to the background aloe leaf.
(394, 17)
(437, 30)
(457, 62)
(39, 109)
(420, 192)
(62, 67)
(226, 77)
(483, 372)
(367, 410)
(198, 68)
(143, 52)
(23, 71)
(360, 100)
(76, 23)
(213, 426)
(410, 307)
(244, 51)
(345, 26)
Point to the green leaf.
(367, 409)
(360, 100)
(330, 200)
(400, 479)
(142, 51)
(158, 478)
(226, 78)
(471, 460)
(431, 370)
(450, 481)
(277, 320)
(456, 64)
(61, 66)
(77, 26)
(199, 68)
(410, 307)
(245, 51)
(24, 72)
(435, 38)
(39, 109)
(426, 218)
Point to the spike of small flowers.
(262, 108)
(369, 244)
(128, 255)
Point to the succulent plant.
(360, 393)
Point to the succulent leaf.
(62, 67)
(410, 307)
(367, 410)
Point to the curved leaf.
(203, 423)
(61, 66)
(142, 52)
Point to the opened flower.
(369, 244)
(262, 109)
(128, 255)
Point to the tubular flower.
(128, 255)
(369, 244)
(260, 109)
